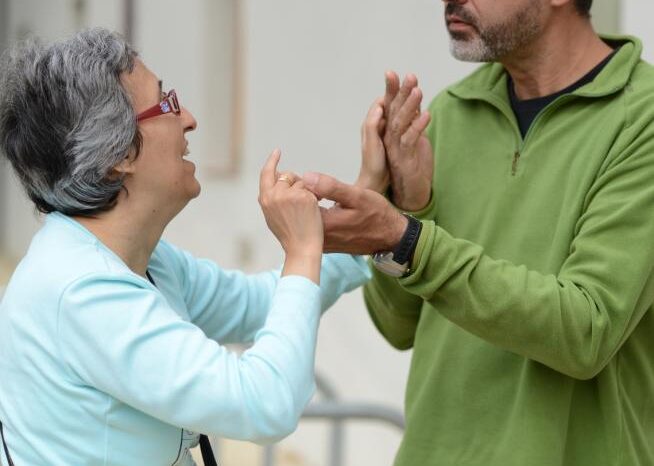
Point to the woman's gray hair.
(66, 120)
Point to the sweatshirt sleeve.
(393, 310)
(123, 339)
(573, 321)
(231, 306)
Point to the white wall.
(50, 20)
(637, 17)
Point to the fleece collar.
(489, 82)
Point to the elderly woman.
(111, 339)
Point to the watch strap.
(403, 252)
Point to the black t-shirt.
(527, 110)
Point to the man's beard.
(494, 41)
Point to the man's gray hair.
(66, 120)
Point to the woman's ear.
(127, 166)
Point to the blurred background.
(260, 74)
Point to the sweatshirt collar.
(489, 82)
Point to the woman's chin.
(197, 189)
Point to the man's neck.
(560, 57)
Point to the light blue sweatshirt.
(100, 367)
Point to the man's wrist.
(412, 203)
(398, 232)
(397, 261)
(404, 249)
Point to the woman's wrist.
(305, 263)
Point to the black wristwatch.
(396, 262)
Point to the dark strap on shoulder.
(207, 452)
(4, 444)
(149, 277)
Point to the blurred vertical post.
(128, 31)
(4, 12)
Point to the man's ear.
(560, 3)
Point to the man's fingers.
(410, 137)
(422, 122)
(407, 113)
(299, 185)
(410, 81)
(268, 177)
(392, 88)
(327, 187)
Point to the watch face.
(384, 263)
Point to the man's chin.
(470, 50)
(462, 32)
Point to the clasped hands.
(396, 158)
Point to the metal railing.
(337, 412)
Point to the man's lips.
(455, 23)
(453, 19)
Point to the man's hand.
(374, 167)
(409, 153)
(362, 221)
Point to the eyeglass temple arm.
(149, 113)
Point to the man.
(526, 288)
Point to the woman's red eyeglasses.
(168, 104)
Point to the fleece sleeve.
(573, 321)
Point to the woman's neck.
(131, 234)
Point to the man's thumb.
(311, 180)
(327, 187)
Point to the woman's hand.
(293, 215)
(374, 168)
